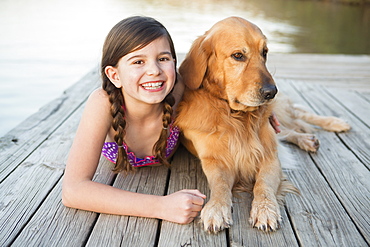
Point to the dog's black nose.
(268, 92)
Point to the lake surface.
(47, 45)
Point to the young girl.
(129, 121)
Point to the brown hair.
(129, 35)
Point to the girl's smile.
(154, 86)
(146, 75)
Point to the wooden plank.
(347, 176)
(358, 138)
(56, 225)
(309, 66)
(242, 234)
(186, 173)
(53, 224)
(366, 95)
(22, 193)
(21, 141)
(299, 97)
(26, 188)
(354, 101)
(335, 71)
(360, 84)
(317, 216)
(114, 230)
(314, 97)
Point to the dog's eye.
(238, 56)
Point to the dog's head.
(229, 60)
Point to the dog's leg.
(328, 123)
(304, 141)
(216, 214)
(265, 212)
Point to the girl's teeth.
(152, 85)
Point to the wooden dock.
(333, 210)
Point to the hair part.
(129, 35)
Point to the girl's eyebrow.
(143, 55)
(166, 53)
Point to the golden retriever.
(224, 118)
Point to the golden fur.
(224, 118)
(296, 123)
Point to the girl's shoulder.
(95, 121)
(98, 104)
(99, 95)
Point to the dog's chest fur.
(237, 138)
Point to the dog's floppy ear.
(194, 66)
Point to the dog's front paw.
(337, 125)
(216, 216)
(265, 215)
(308, 142)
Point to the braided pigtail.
(159, 148)
(119, 125)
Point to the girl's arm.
(79, 191)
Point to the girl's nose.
(153, 69)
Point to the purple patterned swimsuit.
(110, 150)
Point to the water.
(47, 45)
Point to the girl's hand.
(182, 206)
(275, 123)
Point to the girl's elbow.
(67, 197)
(72, 192)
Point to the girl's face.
(146, 75)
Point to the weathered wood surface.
(333, 71)
(333, 209)
(20, 142)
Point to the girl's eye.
(139, 62)
(163, 59)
